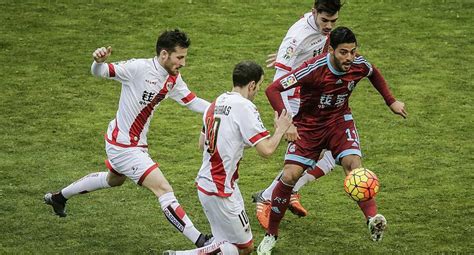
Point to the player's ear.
(331, 49)
(252, 86)
(164, 54)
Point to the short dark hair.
(169, 39)
(329, 6)
(245, 72)
(341, 35)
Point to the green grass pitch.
(53, 115)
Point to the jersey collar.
(161, 70)
(333, 70)
(312, 23)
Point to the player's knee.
(247, 250)
(115, 180)
(351, 162)
(291, 174)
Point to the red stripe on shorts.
(147, 172)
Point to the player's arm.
(181, 94)
(275, 89)
(380, 84)
(99, 68)
(198, 105)
(122, 71)
(202, 138)
(267, 146)
(271, 59)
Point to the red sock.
(369, 207)
(280, 200)
(316, 172)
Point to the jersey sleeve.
(123, 71)
(181, 93)
(251, 126)
(302, 76)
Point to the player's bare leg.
(86, 184)
(375, 222)
(324, 165)
(157, 183)
(280, 200)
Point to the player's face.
(324, 21)
(343, 56)
(173, 61)
(254, 89)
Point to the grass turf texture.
(53, 115)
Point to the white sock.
(327, 162)
(305, 178)
(224, 247)
(325, 165)
(177, 216)
(267, 193)
(88, 183)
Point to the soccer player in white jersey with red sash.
(145, 83)
(307, 38)
(232, 123)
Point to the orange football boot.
(295, 206)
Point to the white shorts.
(133, 162)
(228, 219)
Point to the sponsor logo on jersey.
(288, 81)
(317, 41)
(147, 97)
(151, 82)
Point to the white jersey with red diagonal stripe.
(303, 41)
(145, 83)
(231, 123)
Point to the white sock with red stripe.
(323, 167)
(223, 247)
(177, 216)
(267, 194)
(88, 183)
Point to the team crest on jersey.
(338, 82)
(351, 85)
(288, 81)
(292, 148)
(289, 52)
(169, 85)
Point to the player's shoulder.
(240, 102)
(362, 61)
(317, 61)
(300, 31)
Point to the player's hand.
(292, 133)
(101, 54)
(282, 122)
(271, 60)
(398, 107)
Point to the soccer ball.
(361, 184)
